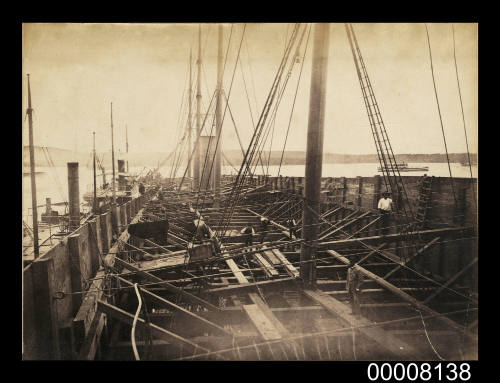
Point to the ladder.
(391, 175)
(424, 201)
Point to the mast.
(113, 157)
(29, 112)
(314, 154)
(218, 116)
(95, 183)
(189, 127)
(126, 144)
(198, 115)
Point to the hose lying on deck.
(134, 346)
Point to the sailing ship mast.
(190, 127)
(126, 144)
(95, 206)
(198, 114)
(113, 203)
(314, 154)
(29, 112)
(218, 117)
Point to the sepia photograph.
(250, 192)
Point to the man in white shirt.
(385, 208)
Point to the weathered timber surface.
(395, 346)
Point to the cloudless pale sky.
(76, 70)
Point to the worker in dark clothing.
(202, 231)
(292, 227)
(264, 224)
(248, 233)
(142, 190)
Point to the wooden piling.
(314, 154)
(74, 196)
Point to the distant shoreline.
(60, 157)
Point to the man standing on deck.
(248, 232)
(202, 231)
(292, 228)
(385, 209)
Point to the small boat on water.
(403, 167)
(28, 173)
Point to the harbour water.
(53, 181)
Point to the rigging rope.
(439, 112)
(463, 116)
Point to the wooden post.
(360, 190)
(45, 310)
(75, 271)
(344, 189)
(314, 154)
(74, 196)
(95, 242)
(34, 210)
(104, 233)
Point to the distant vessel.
(403, 167)
(27, 173)
(467, 163)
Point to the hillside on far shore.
(50, 156)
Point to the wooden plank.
(162, 301)
(268, 268)
(261, 322)
(29, 334)
(174, 289)
(124, 237)
(391, 237)
(243, 287)
(270, 256)
(167, 260)
(419, 305)
(339, 257)
(288, 266)
(85, 317)
(419, 252)
(394, 345)
(91, 342)
(356, 219)
(374, 251)
(156, 330)
(236, 271)
(256, 299)
(449, 281)
(45, 309)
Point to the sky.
(77, 70)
